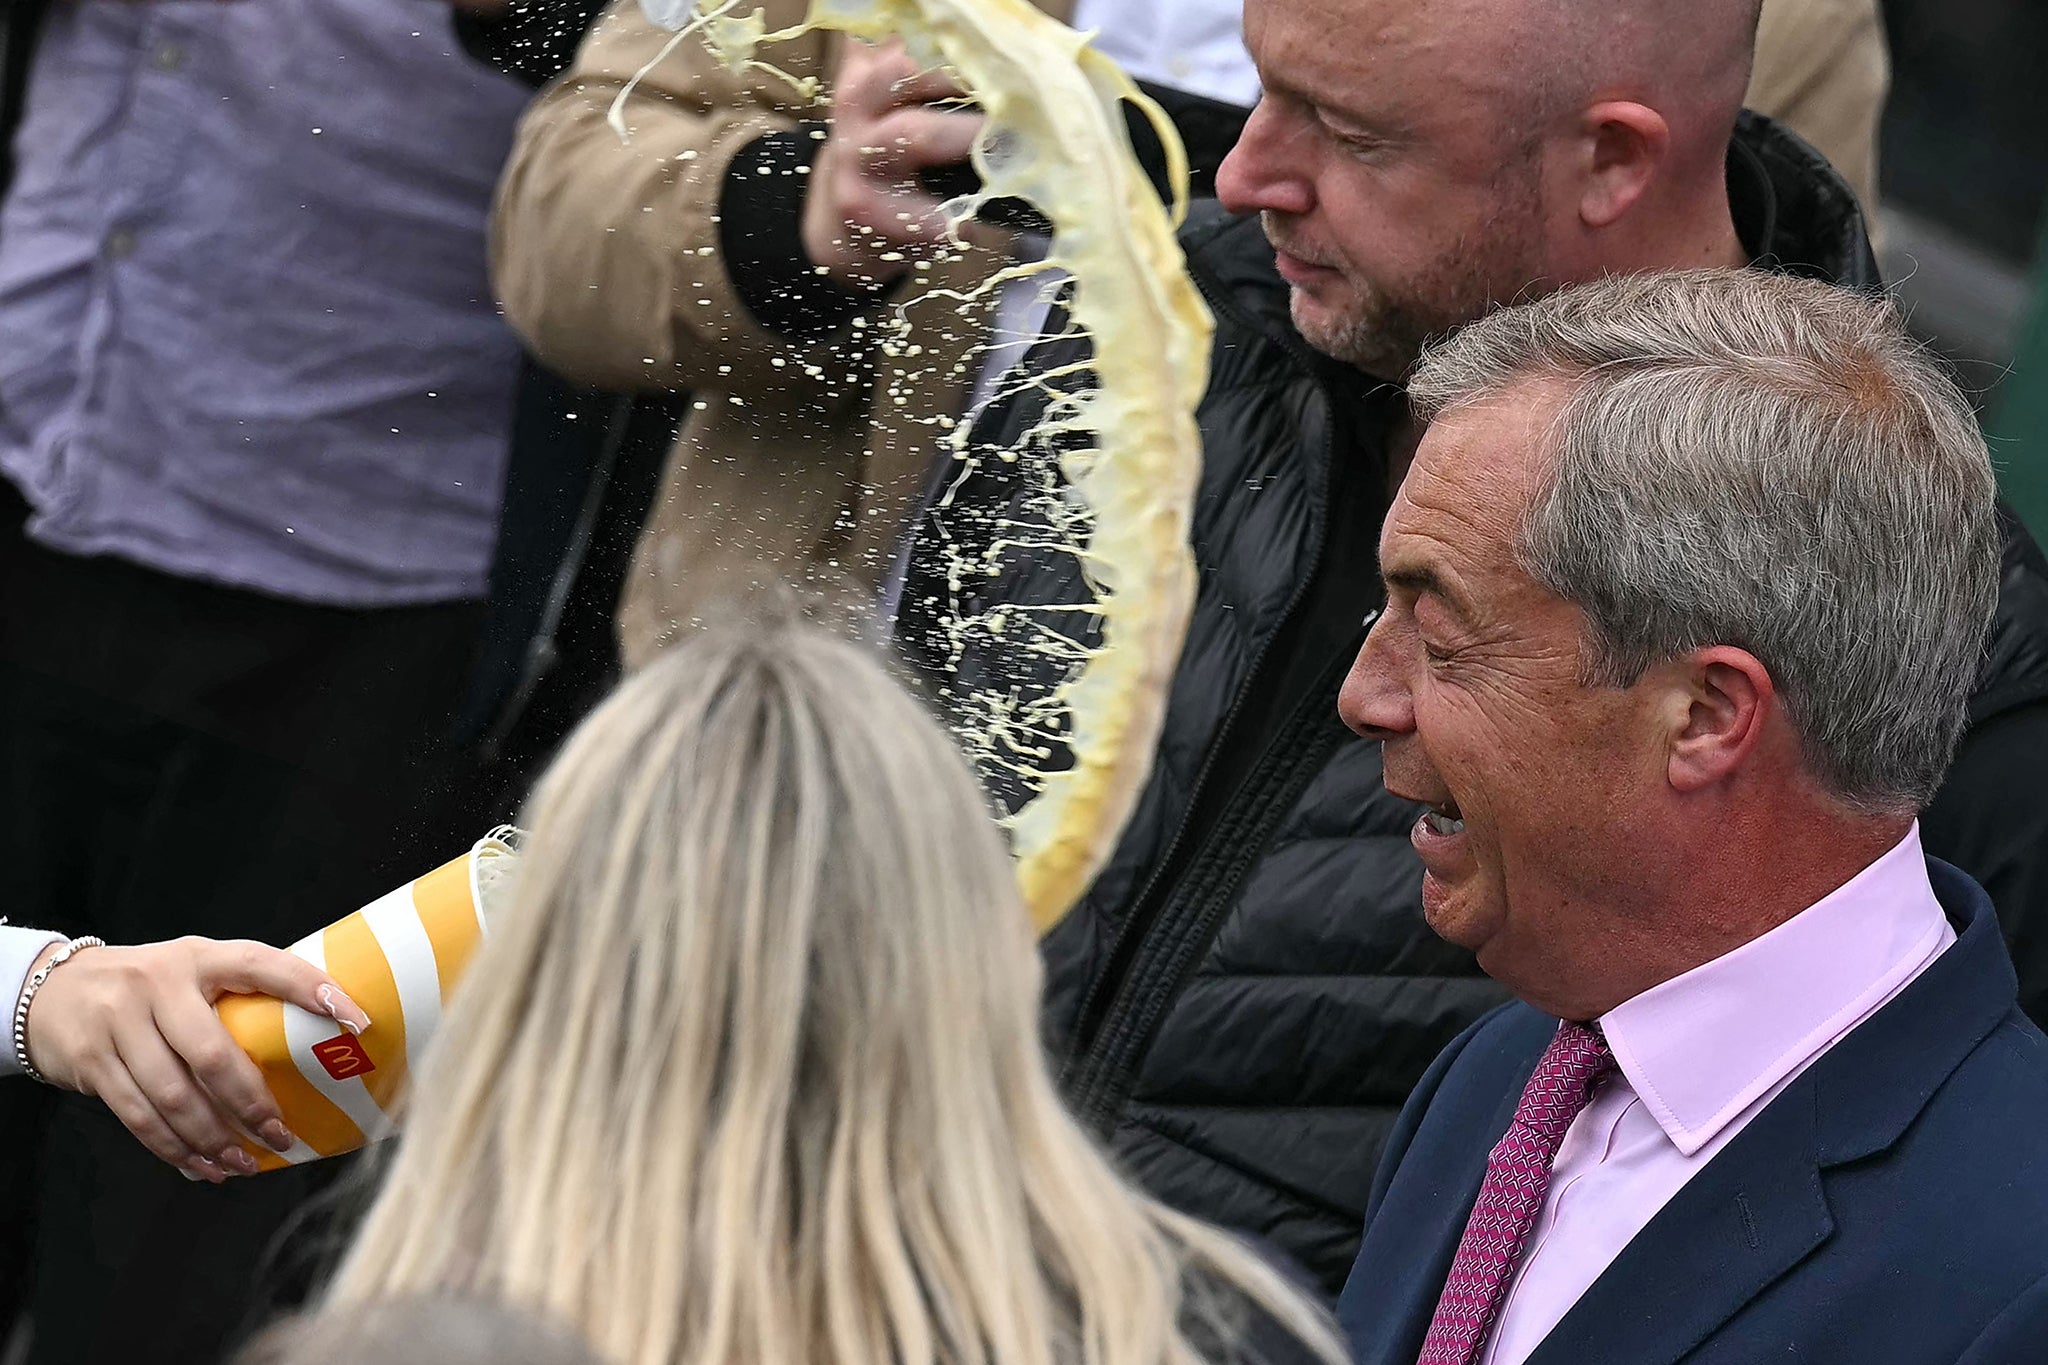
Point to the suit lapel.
(1760, 1207)
(1414, 1286)
(1749, 1216)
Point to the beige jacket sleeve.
(605, 251)
(1823, 69)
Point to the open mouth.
(1444, 818)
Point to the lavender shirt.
(19, 949)
(1699, 1057)
(246, 333)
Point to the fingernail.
(206, 1170)
(343, 1010)
(240, 1160)
(278, 1137)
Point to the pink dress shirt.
(1699, 1057)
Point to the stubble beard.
(1384, 335)
(1378, 337)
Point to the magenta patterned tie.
(1517, 1173)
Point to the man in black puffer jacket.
(1248, 992)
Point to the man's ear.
(1728, 700)
(1624, 148)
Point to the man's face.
(1541, 788)
(1395, 166)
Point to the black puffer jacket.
(1248, 992)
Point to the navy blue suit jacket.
(1890, 1207)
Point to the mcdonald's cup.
(399, 957)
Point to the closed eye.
(1355, 143)
(1350, 137)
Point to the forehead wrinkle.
(1424, 559)
(1473, 478)
(1290, 44)
(1520, 56)
(1469, 489)
(1371, 71)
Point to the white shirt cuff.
(19, 949)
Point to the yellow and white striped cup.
(399, 957)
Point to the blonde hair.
(749, 1073)
(427, 1331)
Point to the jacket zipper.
(1194, 913)
(1123, 958)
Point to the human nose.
(1375, 701)
(1260, 175)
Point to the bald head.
(1688, 59)
(1447, 156)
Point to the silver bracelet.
(28, 994)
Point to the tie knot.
(1573, 1066)
(1581, 1045)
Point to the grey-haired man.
(1686, 590)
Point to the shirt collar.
(1701, 1048)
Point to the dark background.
(1965, 178)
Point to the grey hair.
(1748, 459)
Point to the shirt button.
(170, 57)
(120, 244)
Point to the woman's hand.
(136, 1028)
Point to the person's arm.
(136, 1028)
(607, 253)
(725, 244)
